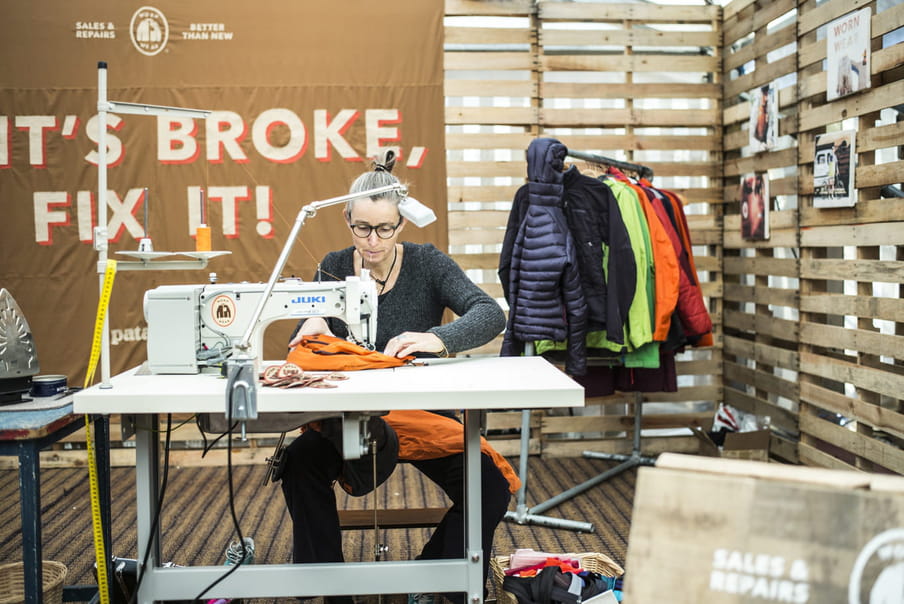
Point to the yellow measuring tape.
(99, 551)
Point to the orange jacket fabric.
(666, 272)
(329, 353)
(425, 435)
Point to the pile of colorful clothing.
(542, 578)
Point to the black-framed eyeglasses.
(383, 231)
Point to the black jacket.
(595, 221)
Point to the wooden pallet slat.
(628, 37)
(600, 11)
(880, 382)
(514, 88)
(484, 60)
(492, 8)
(624, 90)
(484, 36)
(634, 63)
(887, 456)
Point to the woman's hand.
(314, 326)
(409, 342)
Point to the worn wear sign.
(301, 95)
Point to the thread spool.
(202, 238)
(202, 233)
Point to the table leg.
(147, 486)
(30, 487)
(473, 542)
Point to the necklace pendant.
(382, 282)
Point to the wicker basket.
(594, 562)
(12, 582)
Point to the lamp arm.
(306, 212)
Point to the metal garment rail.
(639, 169)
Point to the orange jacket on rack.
(666, 272)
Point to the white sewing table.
(461, 384)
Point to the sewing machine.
(195, 328)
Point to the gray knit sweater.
(429, 281)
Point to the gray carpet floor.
(196, 521)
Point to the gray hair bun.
(385, 161)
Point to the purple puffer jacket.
(538, 265)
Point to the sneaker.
(234, 552)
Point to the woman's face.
(381, 214)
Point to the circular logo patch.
(149, 30)
(878, 573)
(222, 310)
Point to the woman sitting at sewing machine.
(415, 284)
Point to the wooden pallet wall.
(760, 295)
(813, 315)
(491, 118)
(852, 259)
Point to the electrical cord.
(235, 521)
(206, 447)
(156, 522)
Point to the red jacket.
(691, 308)
(705, 324)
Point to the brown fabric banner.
(303, 94)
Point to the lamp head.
(416, 212)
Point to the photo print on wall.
(848, 54)
(763, 118)
(754, 196)
(834, 162)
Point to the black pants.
(312, 463)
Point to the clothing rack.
(533, 515)
(639, 169)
